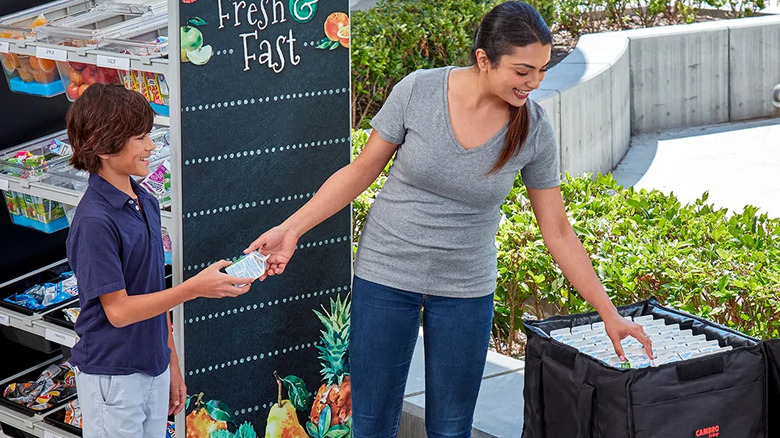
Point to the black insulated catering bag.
(709, 380)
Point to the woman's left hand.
(618, 328)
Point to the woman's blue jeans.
(385, 325)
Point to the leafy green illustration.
(300, 397)
(218, 411)
(324, 429)
(197, 21)
(246, 430)
(324, 421)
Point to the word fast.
(267, 55)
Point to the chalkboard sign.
(265, 121)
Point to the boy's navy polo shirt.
(114, 245)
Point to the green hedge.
(694, 257)
(398, 37)
(697, 258)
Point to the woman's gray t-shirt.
(433, 226)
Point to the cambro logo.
(709, 432)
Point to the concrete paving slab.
(499, 411)
(737, 163)
(496, 365)
(499, 406)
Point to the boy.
(127, 370)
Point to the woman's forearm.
(567, 250)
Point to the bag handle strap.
(585, 410)
(700, 368)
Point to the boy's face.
(133, 159)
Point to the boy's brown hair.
(101, 122)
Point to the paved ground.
(738, 163)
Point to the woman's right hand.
(278, 244)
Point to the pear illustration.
(282, 419)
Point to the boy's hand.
(618, 328)
(177, 397)
(279, 244)
(211, 283)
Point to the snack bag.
(73, 414)
(158, 182)
(72, 313)
(163, 87)
(139, 81)
(153, 86)
(127, 80)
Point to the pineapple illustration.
(335, 394)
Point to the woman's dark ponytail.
(510, 25)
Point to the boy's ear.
(103, 156)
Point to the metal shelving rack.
(39, 186)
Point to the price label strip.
(116, 62)
(47, 434)
(60, 338)
(5, 47)
(5, 319)
(51, 53)
(4, 184)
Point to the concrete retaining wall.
(618, 83)
(593, 94)
(754, 67)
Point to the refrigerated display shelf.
(86, 55)
(34, 323)
(34, 425)
(59, 194)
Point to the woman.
(461, 135)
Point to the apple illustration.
(200, 56)
(191, 39)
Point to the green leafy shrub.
(397, 37)
(697, 258)
(694, 257)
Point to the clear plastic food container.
(31, 75)
(22, 24)
(65, 176)
(31, 159)
(78, 76)
(148, 40)
(85, 31)
(35, 212)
